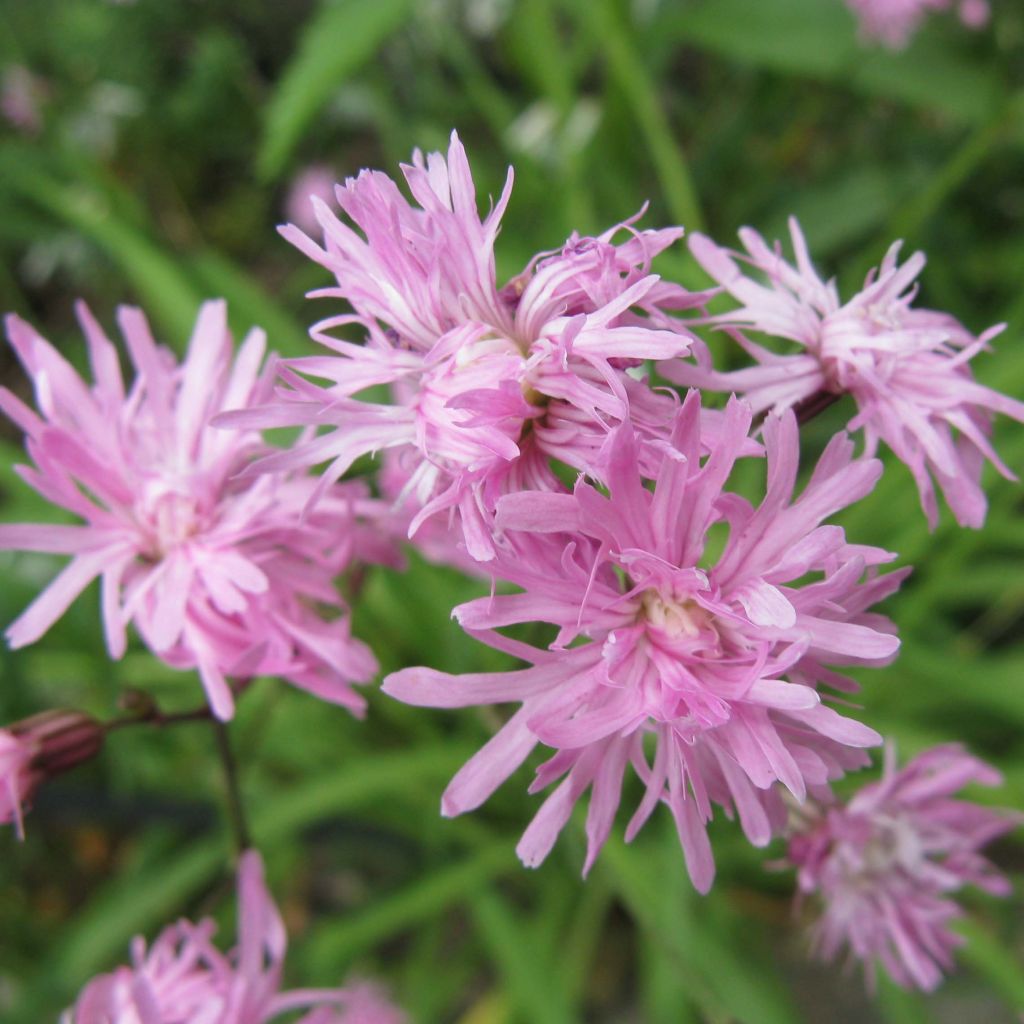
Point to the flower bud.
(38, 748)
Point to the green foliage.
(343, 36)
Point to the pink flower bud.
(38, 748)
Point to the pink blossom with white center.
(217, 573)
(893, 22)
(907, 369)
(714, 668)
(482, 378)
(183, 978)
(883, 866)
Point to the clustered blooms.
(217, 572)
(893, 22)
(885, 865)
(183, 977)
(488, 384)
(700, 637)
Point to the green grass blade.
(533, 981)
(339, 40)
(631, 76)
(336, 943)
(994, 962)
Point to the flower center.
(168, 518)
(895, 845)
(675, 618)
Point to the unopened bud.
(38, 748)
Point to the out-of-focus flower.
(893, 22)
(488, 384)
(185, 979)
(100, 117)
(712, 669)
(907, 369)
(314, 180)
(217, 573)
(883, 867)
(37, 748)
(362, 1003)
(21, 96)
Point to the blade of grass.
(630, 75)
(724, 984)
(926, 202)
(169, 296)
(168, 292)
(334, 944)
(900, 1006)
(335, 44)
(530, 980)
(990, 959)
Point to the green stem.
(236, 807)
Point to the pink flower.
(893, 22)
(183, 978)
(488, 383)
(37, 748)
(216, 573)
(21, 96)
(884, 865)
(712, 668)
(314, 180)
(907, 369)
(364, 1003)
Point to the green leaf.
(629, 72)
(819, 40)
(898, 1005)
(107, 216)
(724, 980)
(165, 290)
(534, 987)
(993, 961)
(335, 943)
(335, 44)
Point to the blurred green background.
(147, 151)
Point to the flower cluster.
(700, 608)
(886, 864)
(184, 977)
(488, 384)
(217, 572)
